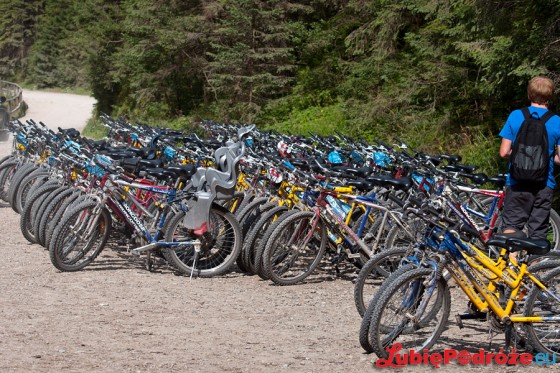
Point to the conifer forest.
(441, 75)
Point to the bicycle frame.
(386, 214)
(492, 216)
(118, 203)
(466, 264)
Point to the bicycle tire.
(366, 317)
(6, 158)
(548, 306)
(67, 238)
(279, 247)
(397, 238)
(220, 249)
(27, 217)
(44, 198)
(255, 235)
(7, 170)
(40, 214)
(26, 185)
(248, 198)
(233, 204)
(245, 218)
(49, 213)
(246, 225)
(18, 177)
(411, 283)
(253, 214)
(73, 200)
(376, 269)
(553, 232)
(262, 244)
(30, 187)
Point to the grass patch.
(94, 129)
(317, 119)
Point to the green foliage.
(94, 129)
(46, 56)
(322, 120)
(250, 53)
(442, 75)
(17, 21)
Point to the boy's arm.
(505, 148)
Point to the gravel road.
(115, 316)
(63, 110)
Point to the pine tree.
(52, 28)
(159, 62)
(251, 55)
(17, 21)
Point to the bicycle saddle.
(452, 158)
(532, 246)
(401, 184)
(499, 181)
(361, 185)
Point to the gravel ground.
(114, 316)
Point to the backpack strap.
(549, 114)
(545, 117)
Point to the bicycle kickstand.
(196, 245)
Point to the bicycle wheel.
(295, 248)
(7, 171)
(248, 198)
(369, 237)
(26, 185)
(234, 204)
(27, 217)
(246, 218)
(553, 231)
(18, 177)
(373, 274)
(393, 319)
(259, 250)
(251, 242)
(80, 237)
(42, 216)
(73, 200)
(366, 317)
(219, 247)
(545, 336)
(246, 211)
(6, 158)
(397, 237)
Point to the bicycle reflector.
(275, 176)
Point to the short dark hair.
(540, 90)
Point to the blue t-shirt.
(512, 126)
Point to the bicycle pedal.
(459, 321)
(353, 256)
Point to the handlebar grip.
(289, 165)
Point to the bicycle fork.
(419, 294)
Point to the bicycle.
(200, 238)
(494, 286)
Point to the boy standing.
(529, 203)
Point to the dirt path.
(115, 316)
(63, 110)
